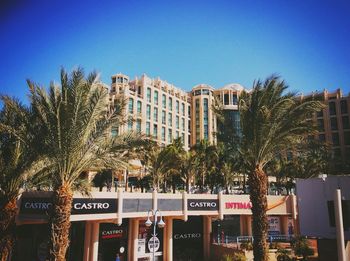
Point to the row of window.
(335, 138)
(164, 102)
(333, 110)
(334, 123)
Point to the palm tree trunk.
(258, 190)
(188, 185)
(60, 223)
(7, 228)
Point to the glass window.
(177, 106)
(164, 101)
(138, 125)
(345, 120)
(155, 130)
(149, 94)
(234, 99)
(163, 117)
(170, 135)
(347, 138)
(343, 106)
(155, 114)
(189, 125)
(197, 92)
(320, 114)
(189, 111)
(226, 99)
(131, 105)
(322, 137)
(183, 124)
(183, 109)
(170, 119)
(320, 125)
(139, 107)
(163, 133)
(148, 128)
(334, 124)
(130, 124)
(205, 91)
(156, 97)
(183, 138)
(205, 118)
(177, 122)
(170, 104)
(197, 121)
(114, 132)
(335, 138)
(332, 109)
(177, 134)
(148, 112)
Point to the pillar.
(134, 239)
(94, 241)
(339, 225)
(206, 237)
(284, 225)
(87, 240)
(242, 226)
(168, 239)
(248, 221)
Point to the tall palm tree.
(78, 121)
(272, 121)
(19, 161)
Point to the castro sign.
(187, 236)
(202, 204)
(36, 206)
(93, 206)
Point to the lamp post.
(148, 223)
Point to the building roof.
(233, 87)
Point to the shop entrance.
(228, 227)
(113, 242)
(188, 239)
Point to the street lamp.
(155, 222)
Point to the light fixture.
(148, 223)
(161, 223)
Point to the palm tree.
(272, 121)
(19, 161)
(78, 121)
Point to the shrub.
(247, 245)
(283, 255)
(235, 257)
(302, 248)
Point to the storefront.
(146, 243)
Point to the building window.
(163, 133)
(183, 138)
(332, 109)
(234, 99)
(183, 109)
(226, 99)
(114, 80)
(183, 124)
(205, 118)
(343, 106)
(322, 137)
(197, 121)
(336, 153)
(177, 106)
(345, 121)
(189, 125)
(189, 111)
(320, 125)
(170, 104)
(163, 117)
(138, 125)
(334, 124)
(197, 92)
(148, 112)
(149, 94)
(335, 139)
(347, 138)
(156, 97)
(130, 124)
(114, 132)
(177, 135)
(148, 129)
(155, 130)
(164, 101)
(139, 107)
(155, 114)
(320, 114)
(139, 90)
(131, 105)
(205, 92)
(170, 119)
(170, 135)
(177, 122)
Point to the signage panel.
(202, 204)
(274, 226)
(93, 206)
(36, 206)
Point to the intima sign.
(238, 205)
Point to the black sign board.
(202, 204)
(36, 206)
(93, 206)
(43, 206)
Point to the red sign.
(238, 205)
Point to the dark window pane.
(320, 125)
(347, 138)
(346, 124)
(332, 110)
(335, 138)
(226, 99)
(322, 137)
(343, 107)
(334, 124)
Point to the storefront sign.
(202, 204)
(187, 236)
(153, 243)
(115, 233)
(141, 249)
(36, 206)
(274, 226)
(93, 206)
(238, 205)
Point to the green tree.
(19, 162)
(272, 121)
(78, 120)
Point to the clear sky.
(183, 42)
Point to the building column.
(242, 226)
(248, 220)
(134, 239)
(284, 225)
(168, 239)
(207, 229)
(87, 239)
(95, 226)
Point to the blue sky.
(183, 42)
